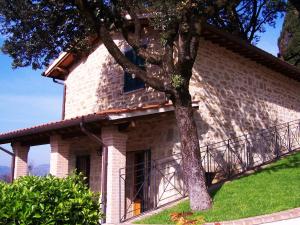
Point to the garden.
(272, 189)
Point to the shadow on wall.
(239, 98)
(236, 98)
(163, 183)
(110, 91)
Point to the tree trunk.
(191, 157)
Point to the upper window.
(133, 83)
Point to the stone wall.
(236, 96)
(160, 136)
(239, 96)
(96, 83)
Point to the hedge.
(48, 200)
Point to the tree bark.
(296, 4)
(191, 157)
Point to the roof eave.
(59, 68)
(51, 128)
(41, 134)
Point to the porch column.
(21, 157)
(116, 145)
(59, 156)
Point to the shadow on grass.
(290, 161)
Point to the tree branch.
(114, 50)
(127, 65)
(150, 57)
(254, 18)
(86, 11)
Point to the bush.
(48, 200)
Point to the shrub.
(48, 200)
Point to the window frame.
(133, 84)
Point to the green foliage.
(248, 18)
(289, 41)
(37, 31)
(177, 81)
(273, 189)
(48, 200)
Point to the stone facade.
(96, 83)
(161, 138)
(236, 96)
(239, 96)
(228, 86)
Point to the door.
(142, 171)
(83, 166)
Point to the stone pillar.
(59, 156)
(21, 157)
(116, 145)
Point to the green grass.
(273, 189)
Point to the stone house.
(122, 134)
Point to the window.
(130, 83)
(83, 166)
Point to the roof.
(247, 50)
(40, 134)
(59, 68)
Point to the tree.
(38, 30)
(247, 18)
(6, 178)
(296, 4)
(30, 168)
(289, 40)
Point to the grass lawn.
(273, 189)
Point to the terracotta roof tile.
(128, 110)
(90, 118)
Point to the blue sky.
(27, 98)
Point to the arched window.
(130, 83)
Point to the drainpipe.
(64, 96)
(57, 81)
(104, 180)
(12, 162)
(98, 140)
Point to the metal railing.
(161, 181)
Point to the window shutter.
(130, 83)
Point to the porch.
(99, 146)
